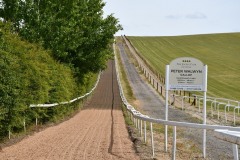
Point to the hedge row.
(29, 75)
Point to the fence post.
(174, 143)
(194, 100)
(235, 151)
(134, 120)
(139, 124)
(234, 116)
(145, 132)
(189, 95)
(24, 125)
(9, 134)
(166, 108)
(136, 123)
(182, 103)
(152, 141)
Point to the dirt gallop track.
(97, 132)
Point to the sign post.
(205, 109)
(187, 74)
(166, 107)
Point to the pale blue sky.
(175, 17)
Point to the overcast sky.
(175, 17)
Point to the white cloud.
(196, 15)
(173, 16)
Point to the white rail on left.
(67, 102)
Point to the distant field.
(221, 52)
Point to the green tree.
(75, 30)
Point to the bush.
(29, 75)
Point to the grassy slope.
(221, 52)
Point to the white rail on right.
(137, 117)
(230, 136)
(216, 103)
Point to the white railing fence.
(220, 105)
(217, 105)
(66, 102)
(86, 95)
(139, 118)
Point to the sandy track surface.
(97, 132)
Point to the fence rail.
(67, 102)
(63, 103)
(53, 105)
(137, 117)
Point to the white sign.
(186, 73)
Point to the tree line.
(49, 52)
(74, 30)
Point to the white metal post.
(166, 107)
(136, 122)
(182, 102)
(174, 143)
(238, 106)
(145, 132)
(152, 141)
(36, 121)
(24, 125)
(235, 151)
(205, 109)
(204, 142)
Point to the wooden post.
(189, 95)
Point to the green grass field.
(221, 52)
